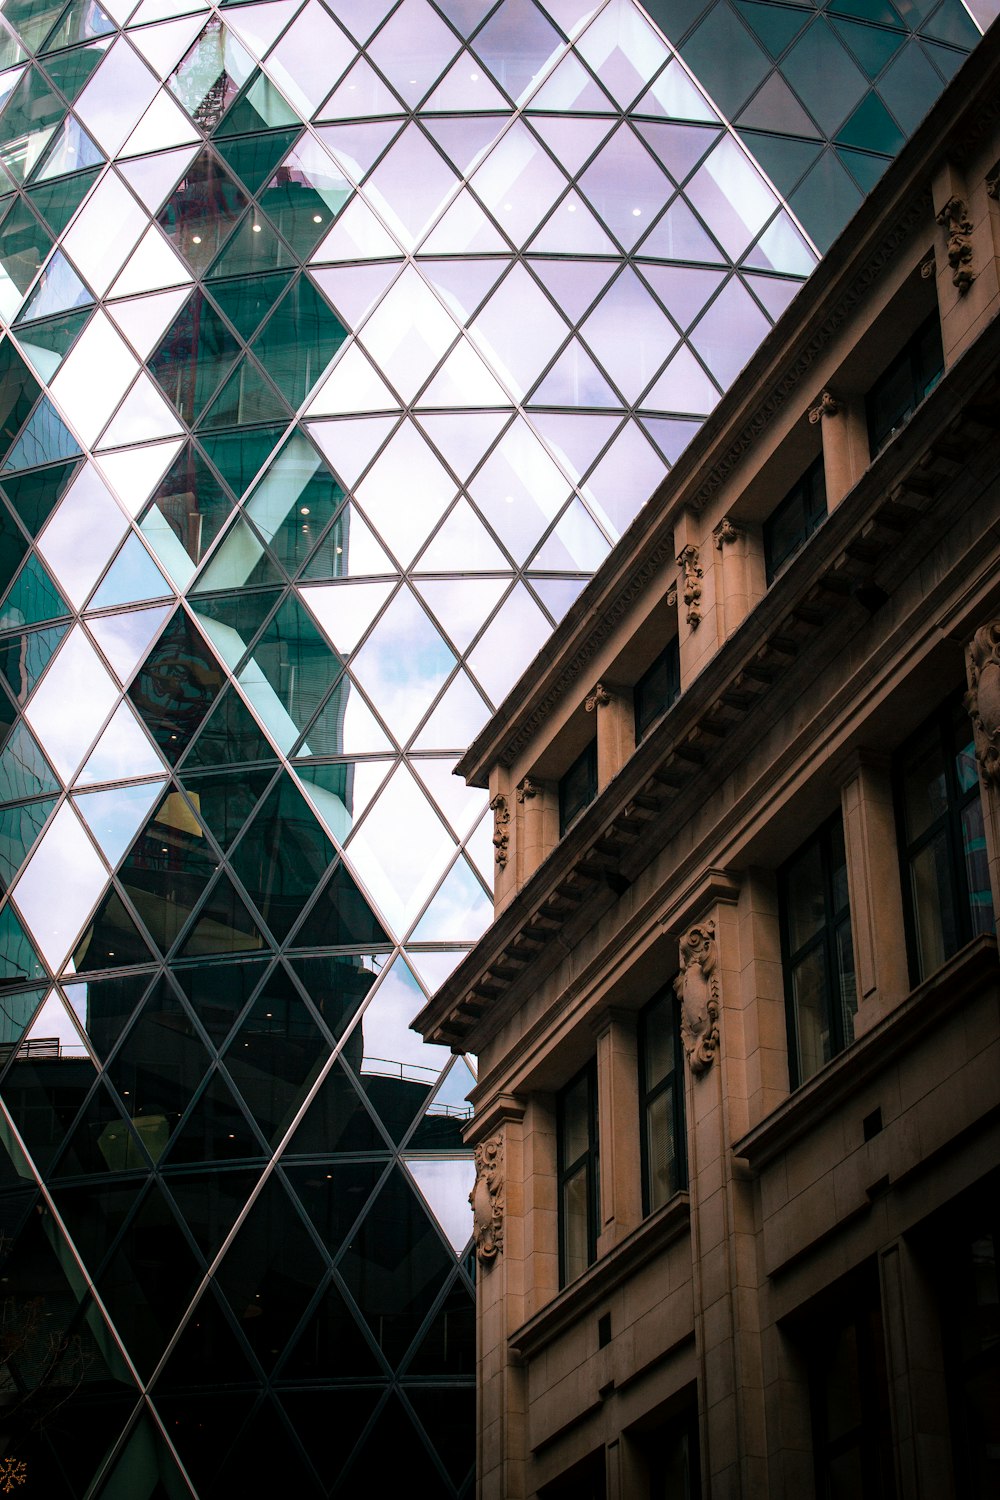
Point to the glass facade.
(327, 334)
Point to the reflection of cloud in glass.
(59, 885)
(400, 850)
(390, 1047)
(446, 1184)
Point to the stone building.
(736, 1121)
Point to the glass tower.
(339, 342)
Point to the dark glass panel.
(195, 355)
(395, 1265)
(254, 157)
(219, 992)
(449, 1345)
(775, 25)
(101, 1140)
(44, 1095)
(826, 200)
(247, 397)
(191, 501)
(309, 1411)
(259, 105)
(905, 382)
(215, 1130)
(272, 1462)
(438, 1131)
(202, 210)
(223, 924)
(784, 161)
(300, 213)
(872, 127)
(276, 1055)
(270, 1272)
(158, 1067)
(282, 856)
(392, 1455)
(239, 456)
(35, 495)
(208, 1353)
(18, 959)
(209, 1203)
(33, 598)
(18, 387)
(337, 1120)
(70, 70)
(176, 686)
(231, 735)
(225, 800)
(297, 661)
(112, 940)
(724, 55)
(395, 1099)
(94, 1215)
(247, 300)
(44, 439)
(337, 986)
(168, 869)
(312, 508)
(254, 250)
(149, 1281)
(657, 688)
(203, 1426)
(243, 613)
(15, 1017)
(145, 1467)
(82, 20)
(341, 918)
(32, 110)
(56, 335)
(32, 19)
(448, 1416)
(57, 202)
(794, 519)
(105, 1007)
(578, 787)
(334, 1193)
(873, 46)
(299, 340)
(12, 547)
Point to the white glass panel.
(518, 331)
(683, 387)
(462, 438)
(88, 403)
(410, 185)
(82, 534)
(114, 817)
(413, 48)
(622, 49)
(731, 196)
(511, 639)
(143, 416)
(518, 182)
(145, 320)
(399, 873)
(462, 543)
(403, 664)
(162, 126)
(460, 714)
(464, 380)
(445, 1185)
(59, 885)
(357, 235)
(123, 750)
(258, 25)
(126, 638)
(71, 702)
(676, 95)
(152, 266)
(408, 333)
(116, 96)
(309, 58)
(345, 610)
(461, 605)
(629, 334)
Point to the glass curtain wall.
(329, 332)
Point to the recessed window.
(657, 688)
(794, 519)
(901, 387)
(578, 788)
(946, 879)
(817, 952)
(579, 1174)
(661, 1102)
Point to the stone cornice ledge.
(653, 1235)
(870, 1054)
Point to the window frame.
(827, 939)
(588, 1160)
(649, 1094)
(810, 498)
(586, 761)
(669, 658)
(920, 383)
(948, 724)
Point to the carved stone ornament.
(672, 596)
(486, 1200)
(501, 825)
(691, 576)
(697, 988)
(928, 269)
(526, 789)
(983, 699)
(826, 406)
(957, 226)
(726, 531)
(993, 181)
(599, 698)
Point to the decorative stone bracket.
(826, 406)
(993, 181)
(697, 988)
(526, 789)
(957, 226)
(726, 531)
(501, 827)
(599, 698)
(983, 699)
(487, 1200)
(691, 576)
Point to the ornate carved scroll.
(726, 531)
(697, 988)
(599, 698)
(501, 826)
(982, 660)
(957, 225)
(993, 181)
(486, 1200)
(526, 789)
(691, 576)
(826, 406)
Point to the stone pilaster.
(846, 456)
(612, 708)
(918, 1395)
(617, 1072)
(537, 815)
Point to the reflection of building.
(328, 333)
(737, 1018)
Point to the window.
(817, 953)
(900, 389)
(579, 1177)
(794, 519)
(657, 688)
(946, 881)
(578, 788)
(661, 1102)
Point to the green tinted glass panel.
(31, 20)
(254, 157)
(27, 123)
(784, 160)
(247, 397)
(69, 71)
(239, 456)
(341, 918)
(176, 687)
(189, 504)
(24, 657)
(259, 107)
(242, 561)
(84, 19)
(56, 334)
(253, 250)
(723, 54)
(282, 856)
(34, 597)
(297, 662)
(872, 46)
(242, 614)
(112, 941)
(34, 495)
(18, 392)
(871, 126)
(231, 736)
(223, 924)
(19, 828)
(24, 771)
(12, 548)
(202, 211)
(300, 212)
(299, 340)
(18, 959)
(774, 25)
(246, 301)
(45, 439)
(865, 169)
(24, 244)
(58, 201)
(225, 801)
(878, 11)
(196, 354)
(826, 200)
